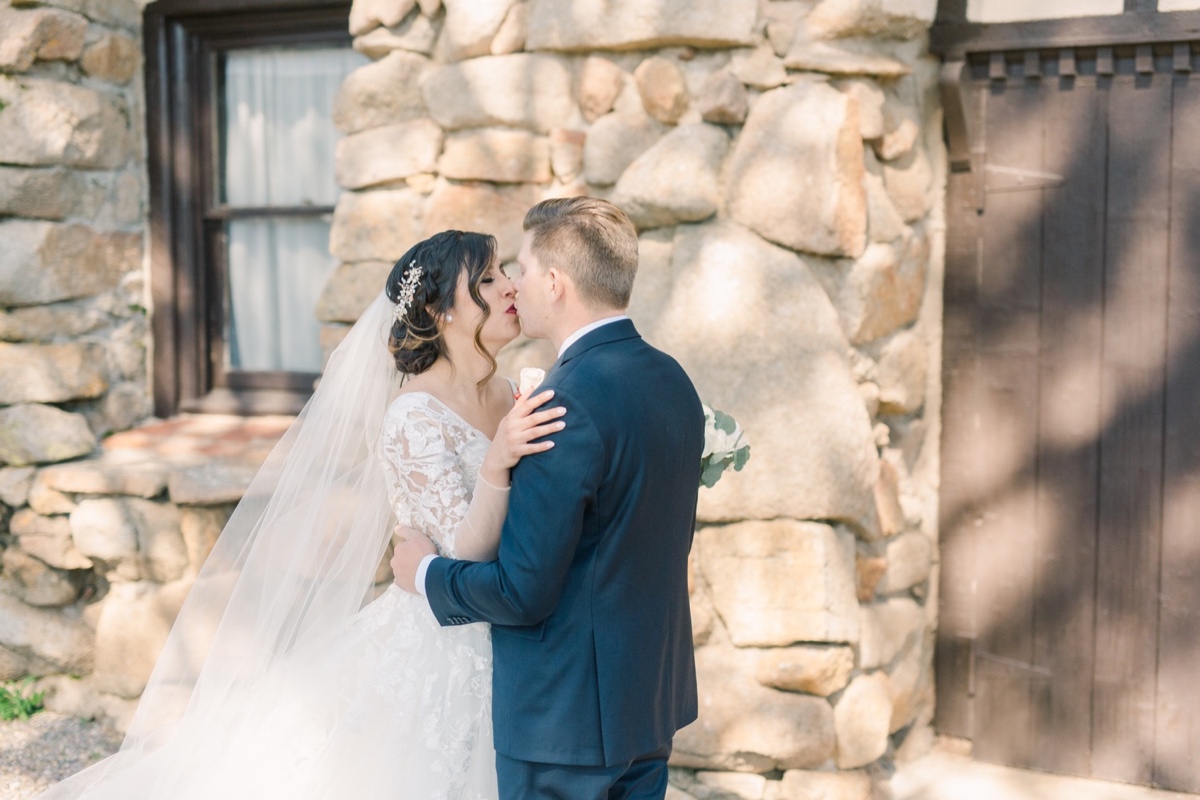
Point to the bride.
(284, 675)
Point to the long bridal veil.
(296, 560)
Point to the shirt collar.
(586, 329)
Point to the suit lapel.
(612, 332)
(617, 331)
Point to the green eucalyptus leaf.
(711, 474)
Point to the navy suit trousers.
(644, 778)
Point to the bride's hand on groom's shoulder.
(519, 433)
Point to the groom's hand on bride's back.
(408, 555)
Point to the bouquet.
(725, 446)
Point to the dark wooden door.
(1070, 609)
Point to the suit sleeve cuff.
(422, 569)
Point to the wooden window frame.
(182, 40)
(955, 38)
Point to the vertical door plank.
(960, 408)
(1131, 445)
(960, 453)
(1010, 280)
(956, 614)
(1068, 427)
(1177, 757)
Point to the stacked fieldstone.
(116, 541)
(73, 330)
(779, 160)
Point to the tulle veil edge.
(295, 561)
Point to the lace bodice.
(431, 457)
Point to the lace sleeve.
(429, 487)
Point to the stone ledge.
(90, 476)
(202, 459)
(210, 484)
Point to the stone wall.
(99, 561)
(782, 160)
(73, 327)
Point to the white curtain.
(279, 142)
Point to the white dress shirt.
(585, 330)
(423, 567)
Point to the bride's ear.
(441, 320)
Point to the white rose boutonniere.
(725, 446)
(531, 379)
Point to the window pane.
(1017, 10)
(279, 135)
(278, 144)
(277, 269)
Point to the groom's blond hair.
(591, 240)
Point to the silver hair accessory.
(408, 288)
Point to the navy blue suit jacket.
(588, 595)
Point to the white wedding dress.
(391, 706)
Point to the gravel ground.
(37, 752)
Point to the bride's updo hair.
(416, 340)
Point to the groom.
(588, 596)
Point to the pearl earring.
(449, 318)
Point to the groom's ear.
(556, 283)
